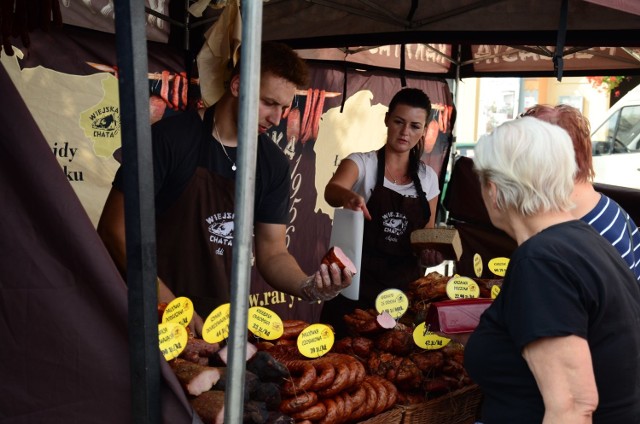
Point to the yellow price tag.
(315, 340)
(216, 326)
(462, 288)
(264, 323)
(392, 301)
(179, 311)
(495, 291)
(427, 339)
(499, 266)
(477, 265)
(172, 338)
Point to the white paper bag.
(346, 233)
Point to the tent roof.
(340, 23)
(469, 38)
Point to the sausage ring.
(348, 405)
(298, 403)
(339, 407)
(358, 397)
(326, 373)
(392, 393)
(339, 382)
(372, 398)
(303, 374)
(381, 391)
(292, 328)
(332, 412)
(313, 413)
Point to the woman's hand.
(356, 202)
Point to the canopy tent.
(447, 38)
(472, 38)
(331, 24)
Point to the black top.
(177, 152)
(565, 280)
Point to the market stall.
(95, 290)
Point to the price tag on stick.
(179, 311)
(264, 323)
(216, 327)
(172, 338)
(315, 340)
(392, 301)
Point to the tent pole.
(137, 168)
(244, 203)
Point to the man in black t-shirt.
(194, 175)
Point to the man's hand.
(326, 283)
(196, 324)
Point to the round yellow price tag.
(172, 338)
(477, 265)
(315, 340)
(495, 291)
(179, 311)
(462, 288)
(499, 266)
(216, 327)
(392, 301)
(264, 323)
(427, 339)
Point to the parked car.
(616, 143)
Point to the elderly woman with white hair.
(560, 343)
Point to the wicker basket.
(391, 416)
(458, 407)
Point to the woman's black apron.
(388, 260)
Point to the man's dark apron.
(387, 257)
(195, 235)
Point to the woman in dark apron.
(397, 194)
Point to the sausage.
(358, 397)
(306, 114)
(340, 381)
(307, 376)
(332, 412)
(361, 372)
(185, 90)
(340, 407)
(381, 391)
(360, 410)
(337, 256)
(292, 328)
(354, 370)
(313, 413)
(298, 403)
(326, 373)
(293, 125)
(164, 87)
(348, 405)
(372, 398)
(175, 98)
(392, 393)
(317, 115)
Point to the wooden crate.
(458, 407)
